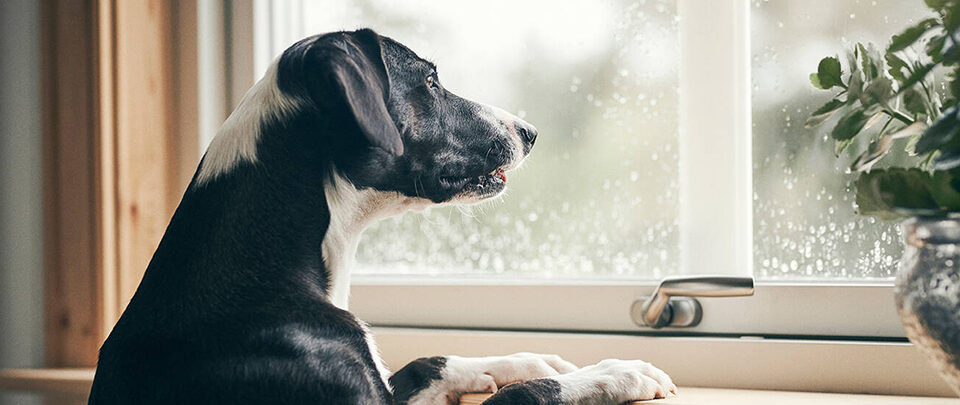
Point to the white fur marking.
(484, 374)
(236, 140)
(375, 352)
(351, 211)
(614, 381)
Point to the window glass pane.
(805, 225)
(598, 196)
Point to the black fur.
(233, 306)
(416, 377)
(543, 391)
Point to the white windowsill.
(754, 364)
(761, 364)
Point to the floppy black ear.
(344, 73)
(364, 84)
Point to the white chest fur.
(351, 211)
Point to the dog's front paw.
(508, 369)
(614, 382)
(458, 375)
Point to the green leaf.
(850, 125)
(911, 131)
(854, 87)
(815, 81)
(840, 146)
(918, 74)
(897, 66)
(951, 56)
(936, 5)
(935, 48)
(829, 72)
(947, 160)
(877, 92)
(910, 35)
(943, 191)
(951, 15)
(873, 154)
(954, 91)
(942, 131)
(869, 59)
(911, 147)
(896, 192)
(914, 101)
(916, 128)
(823, 113)
(853, 60)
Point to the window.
(672, 145)
(804, 223)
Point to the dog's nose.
(527, 132)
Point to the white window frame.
(840, 321)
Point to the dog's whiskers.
(415, 189)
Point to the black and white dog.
(244, 301)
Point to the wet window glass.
(805, 225)
(598, 196)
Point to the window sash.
(857, 311)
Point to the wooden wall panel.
(145, 147)
(71, 216)
(119, 89)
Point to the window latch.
(672, 304)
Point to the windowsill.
(720, 396)
(818, 366)
(73, 382)
(76, 382)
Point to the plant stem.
(927, 160)
(926, 90)
(889, 120)
(898, 115)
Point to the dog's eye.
(432, 81)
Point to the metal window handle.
(661, 310)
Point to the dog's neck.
(352, 211)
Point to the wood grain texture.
(116, 87)
(69, 382)
(716, 396)
(71, 215)
(145, 143)
(76, 382)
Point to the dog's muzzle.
(521, 133)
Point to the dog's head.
(395, 127)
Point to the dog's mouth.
(482, 186)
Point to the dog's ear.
(345, 72)
(357, 75)
(365, 86)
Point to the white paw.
(462, 375)
(616, 381)
(512, 368)
(526, 366)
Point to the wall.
(21, 256)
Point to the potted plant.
(905, 98)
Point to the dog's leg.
(608, 382)
(441, 380)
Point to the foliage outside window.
(910, 90)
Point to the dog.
(245, 298)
